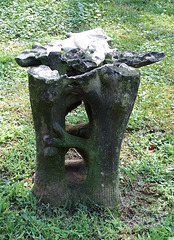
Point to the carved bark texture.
(109, 94)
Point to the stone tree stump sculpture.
(64, 73)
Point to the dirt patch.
(139, 206)
(76, 168)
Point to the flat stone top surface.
(82, 52)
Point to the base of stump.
(105, 193)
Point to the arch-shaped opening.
(76, 168)
(78, 121)
(77, 115)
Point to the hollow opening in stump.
(77, 115)
(78, 121)
(76, 168)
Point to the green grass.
(147, 156)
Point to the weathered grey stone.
(137, 60)
(65, 73)
(28, 58)
(83, 52)
(93, 45)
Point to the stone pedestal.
(64, 73)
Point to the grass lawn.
(146, 209)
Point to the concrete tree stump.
(64, 73)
